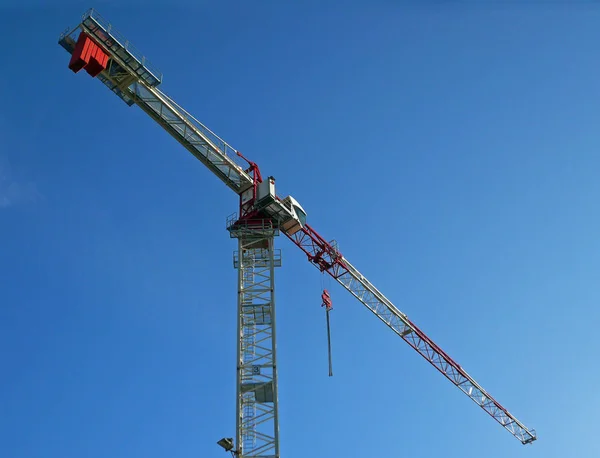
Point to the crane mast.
(110, 58)
(257, 424)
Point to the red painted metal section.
(97, 62)
(78, 60)
(88, 55)
(246, 208)
(319, 251)
(252, 169)
(326, 300)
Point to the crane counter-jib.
(127, 74)
(212, 152)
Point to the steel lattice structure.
(327, 258)
(109, 57)
(256, 388)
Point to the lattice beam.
(327, 258)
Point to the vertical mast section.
(257, 423)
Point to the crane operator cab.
(287, 212)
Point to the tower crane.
(96, 47)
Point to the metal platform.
(127, 65)
(96, 26)
(68, 40)
(256, 227)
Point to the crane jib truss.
(328, 259)
(131, 77)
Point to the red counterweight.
(87, 54)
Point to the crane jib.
(328, 259)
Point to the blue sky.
(449, 148)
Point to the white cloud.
(14, 191)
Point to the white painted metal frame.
(213, 152)
(257, 423)
(365, 292)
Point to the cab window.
(301, 215)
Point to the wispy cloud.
(13, 189)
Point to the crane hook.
(328, 307)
